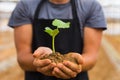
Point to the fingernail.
(74, 75)
(60, 65)
(65, 62)
(34, 55)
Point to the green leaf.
(60, 24)
(55, 32)
(51, 32)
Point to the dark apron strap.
(36, 15)
(74, 10)
(76, 18)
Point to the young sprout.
(53, 33)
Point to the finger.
(74, 67)
(37, 53)
(47, 68)
(41, 63)
(67, 70)
(42, 51)
(78, 58)
(59, 74)
(47, 50)
(43, 56)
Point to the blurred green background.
(108, 65)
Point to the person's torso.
(68, 40)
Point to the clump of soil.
(59, 58)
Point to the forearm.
(26, 61)
(23, 42)
(92, 41)
(89, 61)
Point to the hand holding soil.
(64, 69)
(44, 66)
(68, 69)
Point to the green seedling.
(53, 33)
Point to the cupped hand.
(67, 69)
(44, 66)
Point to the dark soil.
(59, 58)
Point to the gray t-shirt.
(89, 12)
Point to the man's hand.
(43, 66)
(67, 69)
(42, 51)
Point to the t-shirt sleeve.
(96, 18)
(20, 15)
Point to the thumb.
(42, 51)
(78, 58)
(36, 54)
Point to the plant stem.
(53, 44)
